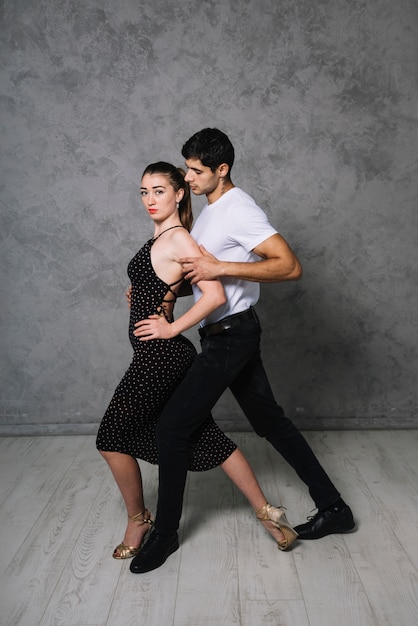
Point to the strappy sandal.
(276, 516)
(127, 552)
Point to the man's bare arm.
(278, 263)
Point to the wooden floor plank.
(279, 613)
(43, 555)
(208, 592)
(31, 491)
(333, 591)
(265, 572)
(388, 574)
(381, 466)
(87, 586)
(18, 454)
(146, 598)
(88, 581)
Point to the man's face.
(201, 178)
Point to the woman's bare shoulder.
(183, 241)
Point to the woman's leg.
(237, 468)
(127, 474)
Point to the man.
(244, 251)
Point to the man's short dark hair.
(211, 146)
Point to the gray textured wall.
(320, 100)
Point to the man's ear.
(223, 170)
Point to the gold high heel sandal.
(277, 517)
(127, 552)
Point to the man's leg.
(253, 393)
(252, 390)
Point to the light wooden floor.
(61, 516)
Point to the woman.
(127, 431)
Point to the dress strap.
(164, 231)
(176, 283)
(161, 308)
(170, 290)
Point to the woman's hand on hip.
(154, 327)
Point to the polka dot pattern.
(157, 367)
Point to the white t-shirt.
(230, 229)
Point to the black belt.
(228, 322)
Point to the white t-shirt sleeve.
(252, 228)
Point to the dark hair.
(212, 147)
(175, 176)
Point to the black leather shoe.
(155, 552)
(326, 523)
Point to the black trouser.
(230, 359)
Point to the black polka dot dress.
(157, 367)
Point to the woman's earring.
(177, 205)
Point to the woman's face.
(159, 197)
